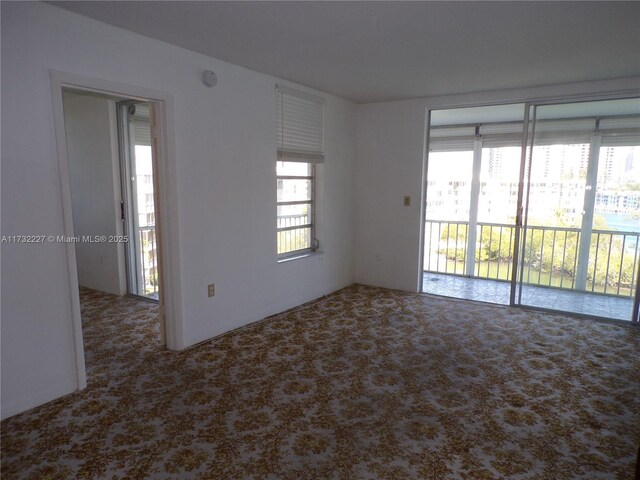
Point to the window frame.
(313, 243)
(300, 140)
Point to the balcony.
(148, 277)
(560, 270)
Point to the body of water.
(622, 222)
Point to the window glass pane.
(449, 185)
(499, 178)
(618, 188)
(293, 190)
(558, 180)
(294, 215)
(292, 240)
(613, 258)
(295, 169)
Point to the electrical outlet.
(211, 290)
(407, 200)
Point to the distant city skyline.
(557, 184)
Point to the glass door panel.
(138, 199)
(471, 199)
(447, 211)
(579, 245)
(497, 207)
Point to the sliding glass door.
(579, 245)
(138, 204)
(472, 187)
(555, 226)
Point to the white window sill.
(302, 255)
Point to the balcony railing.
(294, 233)
(552, 255)
(148, 274)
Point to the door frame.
(166, 204)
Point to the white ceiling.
(379, 51)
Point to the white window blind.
(300, 126)
(139, 122)
(616, 131)
(459, 138)
(620, 131)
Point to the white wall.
(225, 160)
(92, 152)
(389, 165)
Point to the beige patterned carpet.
(367, 383)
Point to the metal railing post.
(473, 207)
(587, 214)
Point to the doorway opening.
(110, 154)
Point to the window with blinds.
(300, 133)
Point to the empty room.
(320, 240)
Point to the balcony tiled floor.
(492, 291)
